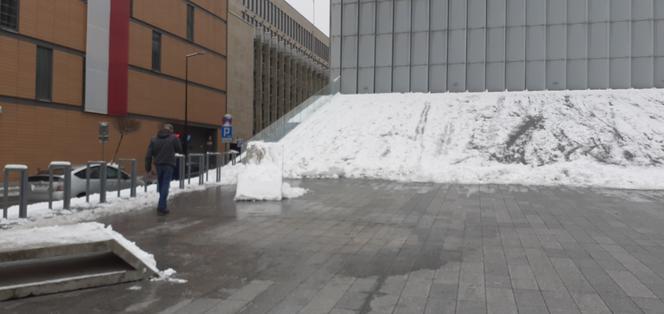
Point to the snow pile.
(611, 138)
(77, 233)
(262, 177)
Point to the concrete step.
(44, 267)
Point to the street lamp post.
(186, 100)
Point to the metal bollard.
(132, 178)
(200, 158)
(24, 188)
(217, 163)
(66, 167)
(102, 180)
(181, 172)
(231, 155)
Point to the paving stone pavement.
(356, 246)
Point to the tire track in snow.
(421, 127)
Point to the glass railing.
(277, 130)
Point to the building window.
(9, 14)
(156, 51)
(44, 73)
(190, 22)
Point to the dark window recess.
(156, 51)
(44, 73)
(9, 14)
(190, 22)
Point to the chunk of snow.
(262, 178)
(289, 191)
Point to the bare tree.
(125, 126)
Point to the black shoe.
(162, 212)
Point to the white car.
(39, 182)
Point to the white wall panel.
(438, 48)
(365, 80)
(419, 78)
(437, 75)
(577, 74)
(495, 76)
(535, 75)
(420, 48)
(456, 76)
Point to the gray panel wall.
(477, 45)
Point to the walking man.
(162, 150)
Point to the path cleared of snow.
(611, 138)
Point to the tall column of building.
(258, 84)
(266, 83)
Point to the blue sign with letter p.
(226, 134)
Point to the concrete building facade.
(477, 45)
(54, 60)
(290, 58)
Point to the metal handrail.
(278, 129)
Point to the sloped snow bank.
(79, 233)
(262, 176)
(610, 138)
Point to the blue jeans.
(164, 177)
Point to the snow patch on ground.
(262, 176)
(609, 138)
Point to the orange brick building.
(48, 72)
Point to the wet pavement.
(353, 246)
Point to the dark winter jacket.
(162, 148)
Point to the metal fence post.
(5, 199)
(217, 163)
(102, 180)
(200, 158)
(201, 164)
(189, 169)
(132, 177)
(102, 183)
(207, 166)
(66, 167)
(23, 190)
(181, 172)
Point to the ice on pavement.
(262, 176)
(608, 138)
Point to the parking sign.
(226, 134)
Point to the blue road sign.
(226, 134)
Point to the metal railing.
(277, 130)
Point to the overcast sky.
(306, 8)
